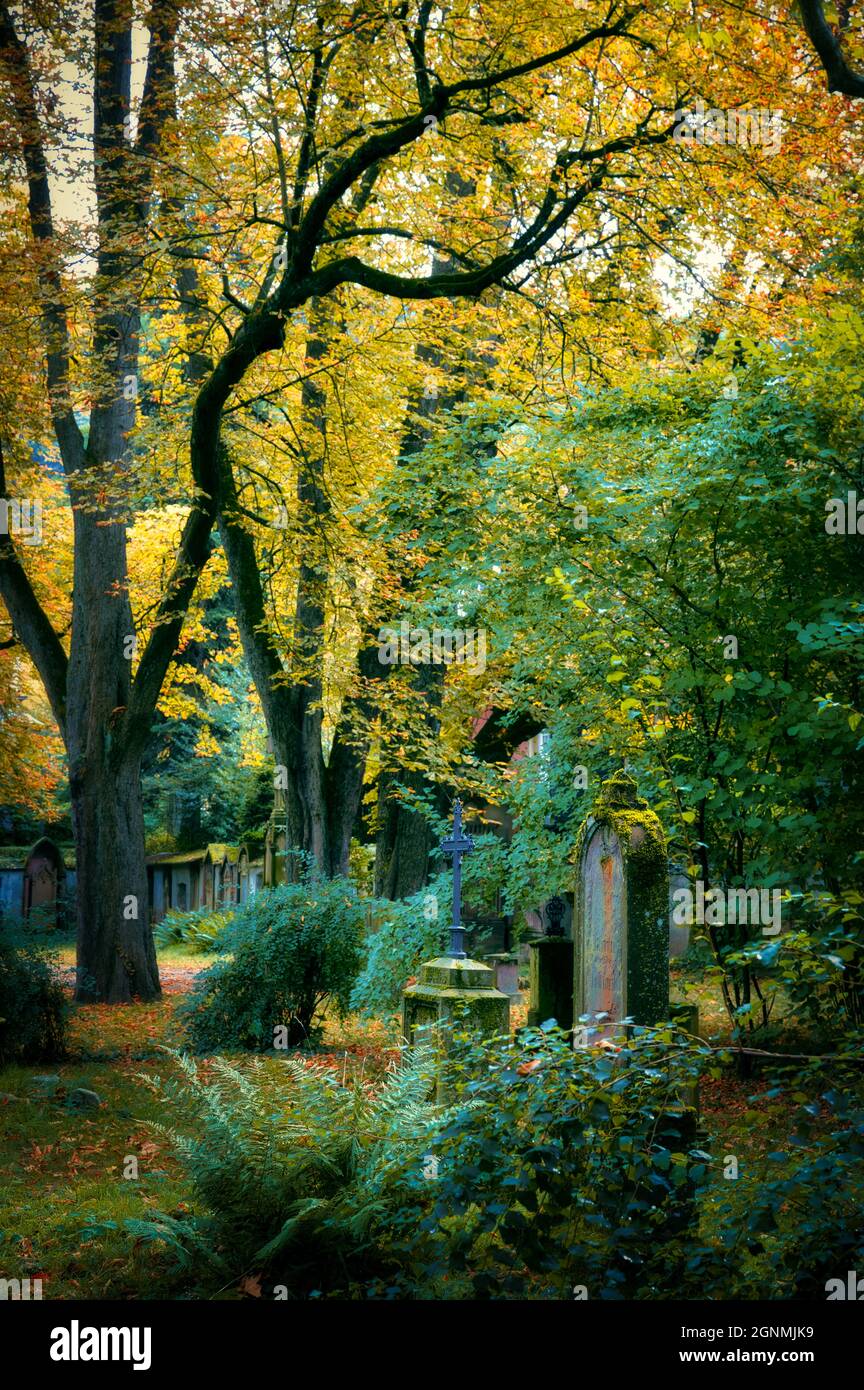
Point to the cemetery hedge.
(33, 1007)
(552, 1174)
(285, 955)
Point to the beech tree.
(103, 715)
(283, 168)
(600, 206)
(365, 214)
(102, 710)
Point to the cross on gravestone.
(453, 989)
(458, 844)
(555, 910)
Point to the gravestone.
(44, 883)
(621, 955)
(505, 965)
(621, 933)
(552, 971)
(452, 989)
(679, 935)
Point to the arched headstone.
(679, 935)
(44, 883)
(228, 879)
(621, 936)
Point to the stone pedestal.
(551, 982)
(458, 992)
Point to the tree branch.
(829, 50)
(158, 101)
(15, 65)
(384, 145)
(31, 622)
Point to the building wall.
(11, 889)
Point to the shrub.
(791, 1222)
(32, 1005)
(291, 950)
(568, 1167)
(297, 1173)
(201, 929)
(551, 1168)
(412, 930)
(407, 933)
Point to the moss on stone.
(618, 806)
(619, 809)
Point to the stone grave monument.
(453, 988)
(552, 971)
(621, 923)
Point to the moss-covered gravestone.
(452, 989)
(461, 992)
(621, 921)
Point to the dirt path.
(176, 977)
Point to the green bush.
(293, 1170)
(792, 1219)
(409, 931)
(201, 929)
(406, 933)
(32, 1005)
(562, 1168)
(553, 1170)
(290, 951)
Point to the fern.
(297, 1172)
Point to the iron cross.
(457, 845)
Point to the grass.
(62, 1169)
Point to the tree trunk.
(116, 956)
(404, 841)
(321, 798)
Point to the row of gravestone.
(617, 965)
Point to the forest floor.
(65, 1182)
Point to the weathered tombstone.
(505, 965)
(622, 949)
(44, 883)
(621, 956)
(552, 971)
(228, 895)
(452, 988)
(679, 936)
